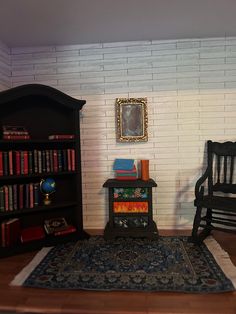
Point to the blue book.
(123, 164)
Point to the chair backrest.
(222, 167)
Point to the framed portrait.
(131, 119)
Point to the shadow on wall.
(186, 193)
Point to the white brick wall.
(5, 67)
(191, 91)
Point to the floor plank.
(29, 300)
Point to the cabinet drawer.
(131, 222)
(130, 207)
(129, 193)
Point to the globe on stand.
(47, 187)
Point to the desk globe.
(47, 187)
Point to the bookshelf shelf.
(42, 111)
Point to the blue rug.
(169, 264)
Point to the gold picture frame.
(132, 119)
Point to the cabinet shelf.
(43, 111)
(27, 211)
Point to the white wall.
(5, 67)
(191, 91)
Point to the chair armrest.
(199, 189)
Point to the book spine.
(72, 159)
(47, 161)
(31, 195)
(17, 163)
(40, 161)
(21, 196)
(30, 161)
(2, 203)
(15, 197)
(35, 159)
(64, 160)
(26, 166)
(6, 198)
(10, 197)
(5, 164)
(55, 160)
(36, 194)
(69, 159)
(16, 137)
(1, 164)
(3, 234)
(61, 137)
(10, 162)
(22, 162)
(71, 229)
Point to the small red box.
(32, 233)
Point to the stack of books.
(125, 169)
(58, 226)
(14, 132)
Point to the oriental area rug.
(168, 264)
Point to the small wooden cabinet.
(130, 209)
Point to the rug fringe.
(26, 271)
(222, 258)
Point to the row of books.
(14, 132)
(19, 196)
(15, 162)
(12, 233)
(125, 169)
(20, 132)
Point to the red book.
(61, 136)
(14, 130)
(17, 162)
(3, 234)
(1, 164)
(21, 196)
(31, 195)
(69, 229)
(16, 137)
(72, 160)
(55, 160)
(12, 230)
(127, 171)
(32, 233)
(69, 159)
(126, 178)
(10, 161)
(26, 163)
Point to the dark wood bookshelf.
(44, 111)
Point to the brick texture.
(191, 90)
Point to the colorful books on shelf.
(125, 169)
(24, 162)
(58, 226)
(10, 232)
(61, 136)
(14, 132)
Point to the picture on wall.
(131, 119)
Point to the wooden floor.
(28, 300)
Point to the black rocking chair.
(216, 207)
